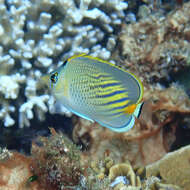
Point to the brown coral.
(157, 44)
(124, 169)
(173, 168)
(135, 178)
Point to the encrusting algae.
(57, 162)
(15, 171)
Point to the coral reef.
(123, 176)
(56, 163)
(36, 36)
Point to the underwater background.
(41, 148)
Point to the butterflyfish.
(98, 91)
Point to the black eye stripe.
(54, 77)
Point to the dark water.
(18, 139)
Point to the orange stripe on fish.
(130, 109)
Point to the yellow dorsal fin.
(90, 57)
(75, 56)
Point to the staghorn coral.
(34, 35)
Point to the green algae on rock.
(57, 161)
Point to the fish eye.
(54, 77)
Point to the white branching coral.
(36, 35)
(26, 112)
(9, 85)
(5, 114)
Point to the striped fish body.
(99, 91)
